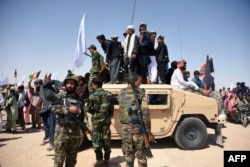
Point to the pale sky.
(42, 35)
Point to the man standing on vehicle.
(98, 65)
(111, 57)
(131, 53)
(133, 142)
(99, 106)
(116, 60)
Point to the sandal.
(44, 142)
(50, 148)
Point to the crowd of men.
(145, 55)
(234, 98)
(61, 108)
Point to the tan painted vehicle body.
(170, 108)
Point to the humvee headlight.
(222, 118)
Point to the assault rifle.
(87, 54)
(131, 81)
(67, 102)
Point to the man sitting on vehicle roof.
(177, 79)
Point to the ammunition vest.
(127, 104)
(68, 119)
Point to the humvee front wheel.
(191, 134)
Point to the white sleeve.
(177, 80)
(1, 99)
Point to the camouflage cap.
(92, 47)
(71, 76)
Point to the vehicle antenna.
(180, 40)
(133, 13)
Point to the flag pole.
(179, 29)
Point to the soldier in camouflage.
(97, 65)
(98, 106)
(133, 145)
(67, 107)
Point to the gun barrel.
(82, 125)
(149, 153)
(142, 124)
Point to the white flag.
(55, 76)
(24, 78)
(81, 47)
(5, 81)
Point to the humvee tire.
(191, 134)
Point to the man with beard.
(82, 89)
(68, 108)
(177, 80)
(131, 53)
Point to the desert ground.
(23, 150)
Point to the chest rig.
(70, 118)
(128, 109)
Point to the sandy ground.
(23, 150)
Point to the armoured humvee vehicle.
(176, 113)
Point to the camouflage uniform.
(97, 63)
(101, 135)
(67, 133)
(216, 95)
(132, 139)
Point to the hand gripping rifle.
(131, 81)
(67, 102)
(49, 93)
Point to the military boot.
(98, 163)
(106, 162)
